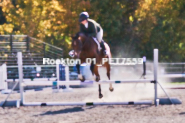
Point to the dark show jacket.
(92, 29)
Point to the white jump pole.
(125, 81)
(86, 103)
(49, 83)
(155, 74)
(20, 70)
(68, 89)
(3, 78)
(169, 75)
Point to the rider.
(92, 28)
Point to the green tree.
(161, 25)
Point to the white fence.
(3, 77)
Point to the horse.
(85, 47)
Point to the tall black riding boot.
(103, 48)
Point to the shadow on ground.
(182, 113)
(64, 111)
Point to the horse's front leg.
(82, 78)
(96, 73)
(92, 68)
(97, 79)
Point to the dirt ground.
(96, 114)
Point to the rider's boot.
(103, 48)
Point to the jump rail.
(169, 75)
(50, 83)
(86, 103)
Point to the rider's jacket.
(92, 29)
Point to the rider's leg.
(99, 37)
(102, 45)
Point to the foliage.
(161, 25)
(131, 27)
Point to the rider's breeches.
(99, 35)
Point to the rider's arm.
(93, 30)
(81, 28)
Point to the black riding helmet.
(83, 16)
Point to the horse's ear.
(75, 37)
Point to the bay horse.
(85, 47)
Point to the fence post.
(20, 70)
(27, 43)
(155, 74)
(44, 47)
(183, 71)
(11, 43)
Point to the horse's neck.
(89, 44)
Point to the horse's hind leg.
(107, 65)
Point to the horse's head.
(77, 43)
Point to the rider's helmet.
(83, 16)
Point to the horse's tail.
(108, 50)
(110, 55)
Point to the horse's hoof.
(111, 89)
(100, 96)
(97, 78)
(83, 79)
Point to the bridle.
(82, 44)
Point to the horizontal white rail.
(168, 75)
(86, 103)
(125, 81)
(49, 83)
